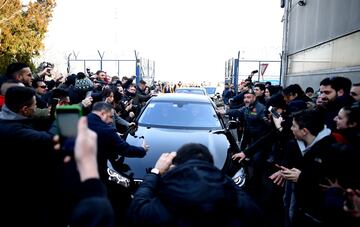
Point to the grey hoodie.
(7, 114)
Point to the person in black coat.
(110, 147)
(110, 144)
(191, 193)
(28, 162)
(93, 207)
(309, 161)
(32, 187)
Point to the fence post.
(68, 64)
(101, 59)
(236, 74)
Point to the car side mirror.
(132, 130)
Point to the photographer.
(248, 81)
(120, 124)
(131, 101)
(46, 71)
(143, 94)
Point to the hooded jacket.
(27, 171)
(194, 193)
(316, 162)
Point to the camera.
(45, 65)
(88, 72)
(100, 82)
(252, 74)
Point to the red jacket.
(2, 100)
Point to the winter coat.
(110, 144)
(27, 172)
(194, 193)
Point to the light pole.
(236, 73)
(137, 69)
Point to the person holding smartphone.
(94, 208)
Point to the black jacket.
(93, 208)
(316, 164)
(110, 144)
(28, 167)
(192, 194)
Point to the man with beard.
(355, 92)
(252, 116)
(19, 72)
(334, 94)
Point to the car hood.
(163, 140)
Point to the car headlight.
(240, 177)
(118, 178)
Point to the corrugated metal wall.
(320, 21)
(316, 23)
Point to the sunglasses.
(44, 86)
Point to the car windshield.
(180, 115)
(210, 90)
(192, 91)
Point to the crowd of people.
(302, 160)
(301, 164)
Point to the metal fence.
(143, 68)
(237, 69)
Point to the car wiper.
(220, 131)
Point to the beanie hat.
(84, 84)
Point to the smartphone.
(273, 111)
(67, 117)
(88, 94)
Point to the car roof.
(211, 87)
(190, 88)
(182, 97)
(203, 90)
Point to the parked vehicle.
(214, 94)
(191, 90)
